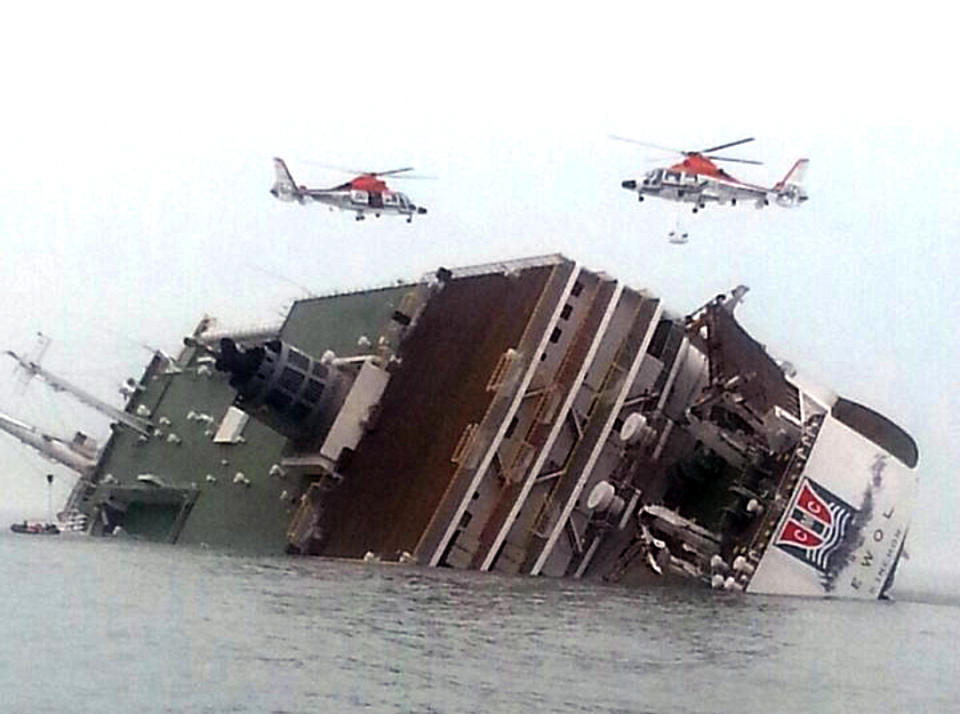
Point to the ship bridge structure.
(532, 417)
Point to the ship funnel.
(288, 390)
(242, 365)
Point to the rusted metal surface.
(734, 354)
(401, 469)
(538, 431)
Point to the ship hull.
(528, 417)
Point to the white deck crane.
(32, 368)
(78, 454)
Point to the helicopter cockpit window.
(391, 199)
(404, 201)
(359, 196)
(653, 177)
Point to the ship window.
(290, 379)
(313, 391)
(878, 429)
(577, 289)
(299, 411)
(511, 428)
(565, 312)
(555, 335)
(277, 399)
(298, 359)
(659, 339)
(231, 426)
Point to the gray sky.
(138, 147)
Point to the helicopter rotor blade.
(395, 173)
(343, 169)
(414, 177)
(646, 144)
(391, 172)
(726, 146)
(359, 172)
(400, 174)
(738, 161)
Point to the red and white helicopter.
(698, 180)
(367, 193)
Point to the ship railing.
(73, 521)
(303, 519)
(463, 456)
(498, 376)
(464, 444)
(245, 335)
(548, 512)
(525, 451)
(83, 488)
(507, 266)
(544, 520)
(788, 482)
(521, 461)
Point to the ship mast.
(58, 384)
(60, 450)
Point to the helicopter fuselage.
(676, 184)
(363, 202)
(364, 194)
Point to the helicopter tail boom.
(284, 186)
(790, 190)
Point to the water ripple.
(150, 628)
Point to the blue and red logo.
(816, 525)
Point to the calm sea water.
(95, 625)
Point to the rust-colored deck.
(402, 468)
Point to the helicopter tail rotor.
(790, 191)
